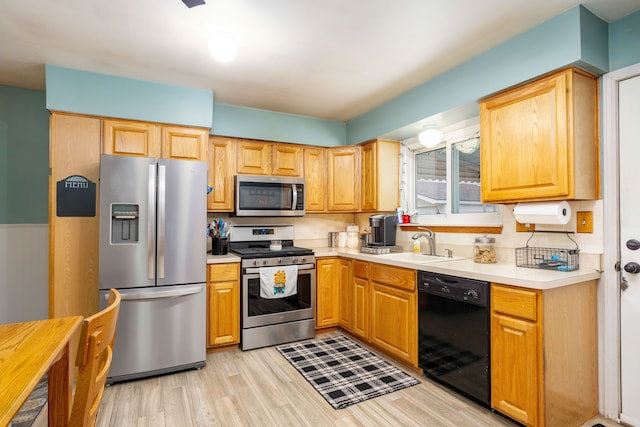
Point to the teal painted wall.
(624, 42)
(24, 156)
(242, 122)
(554, 44)
(110, 96)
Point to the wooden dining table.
(28, 351)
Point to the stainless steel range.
(275, 310)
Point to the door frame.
(609, 291)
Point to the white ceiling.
(332, 59)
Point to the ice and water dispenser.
(125, 222)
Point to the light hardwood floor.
(260, 388)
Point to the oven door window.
(258, 311)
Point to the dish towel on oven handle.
(278, 282)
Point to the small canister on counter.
(342, 239)
(352, 236)
(333, 239)
(484, 250)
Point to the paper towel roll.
(543, 213)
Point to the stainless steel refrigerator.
(153, 217)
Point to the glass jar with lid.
(484, 250)
(353, 239)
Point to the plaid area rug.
(343, 372)
(32, 407)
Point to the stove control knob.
(265, 262)
(303, 260)
(255, 263)
(279, 260)
(294, 260)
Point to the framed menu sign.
(75, 196)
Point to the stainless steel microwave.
(258, 195)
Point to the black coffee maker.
(383, 230)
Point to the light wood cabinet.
(394, 322)
(327, 292)
(381, 308)
(346, 294)
(223, 304)
(253, 157)
(361, 304)
(315, 174)
(184, 143)
(267, 158)
(544, 354)
(73, 241)
(514, 353)
(380, 176)
(540, 140)
(287, 159)
(134, 138)
(343, 179)
(131, 138)
(221, 173)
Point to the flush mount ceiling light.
(223, 48)
(430, 137)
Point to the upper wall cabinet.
(132, 138)
(380, 175)
(287, 159)
(184, 143)
(266, 158)
(315, 174)
(540, 140)
(222, 156)
(343, 179)
(253, 157)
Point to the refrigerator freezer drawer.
(160, 330)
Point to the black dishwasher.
(453, 333)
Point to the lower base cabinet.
(223, 304)
(327, 292)
(346, 294)
(377, 303)
(361, 300)
(544, 367)
(394, 308)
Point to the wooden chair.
(95, 352)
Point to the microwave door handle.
(294, 202)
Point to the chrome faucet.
(431, 238)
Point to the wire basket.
(557, 259)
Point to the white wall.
(24, 265)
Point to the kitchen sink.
(418, 258)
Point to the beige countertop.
(497, 273)
(222, 259)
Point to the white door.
(629, 139)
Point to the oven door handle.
(301, 269)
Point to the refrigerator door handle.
(294, 201)
(162, 176)
(159, 293)
(151, 222)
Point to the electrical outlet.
(525, 227)
(584, 222)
